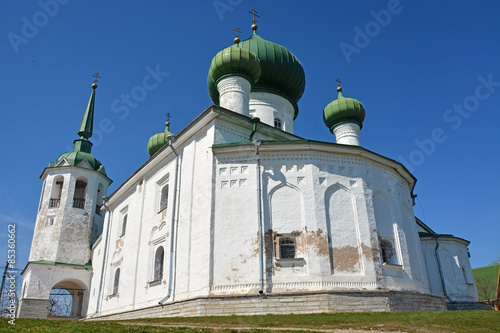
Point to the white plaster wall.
(148, 228)
(453, 256)
(267, 106)
(67, 239)
(313, 175)
(39, 279)
(215, 238)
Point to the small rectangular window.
(124, 225)
(164, 197)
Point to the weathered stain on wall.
(318, 242)
(346, 259)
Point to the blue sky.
(427, 73)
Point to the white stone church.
(236, 214)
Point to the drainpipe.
(259, 210)
(105, 200)
(171, 139)
(255, 121)
(441, 270)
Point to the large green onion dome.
(281, 72)
(158, 140)
(235, 60)
(343, 110)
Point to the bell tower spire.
(86, 126)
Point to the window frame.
(388, 254)
(158, 266)
(116, 282)
(278, 123)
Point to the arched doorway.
(66, 299)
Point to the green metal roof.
(281, 72)
(158, 140)
(235, 60)
(343, 110)
(82, 147)
(88, 266)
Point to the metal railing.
(54, 203)
(79, 203)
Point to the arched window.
(277, 123)
(124, 225)
(159, 259)
(164, 197)
(287, 248)
(116, 281)
(55, 195)
(387, 251)
(79, 196)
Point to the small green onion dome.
(158, 140)
(233, 60)
(343, 110)
(76, 157)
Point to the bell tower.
(69, 221)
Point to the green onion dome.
(343, 110)
(232, 60)
(158, 140)
(281, 70)
(76, 157)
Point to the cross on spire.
(96, 76)
(254, 21)
(237, 37)
(237, 30)
(339, 88)
(168, 116)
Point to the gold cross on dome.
(96, 76)
(254, 13)
(237, 30)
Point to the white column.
(234, 94)
(347, 134)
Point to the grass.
(428, 322)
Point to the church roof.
(281, 72)
(343, 110)
(82, 147)
(157, 141)
(235, 60)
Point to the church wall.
(313, 199)
(308, 197)
(455, 265)
(149, 226)
(235, 226)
